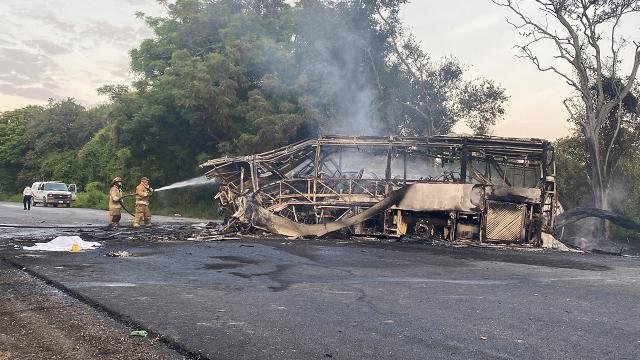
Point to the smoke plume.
(336, 57)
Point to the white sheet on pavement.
(64, 243)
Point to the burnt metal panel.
(442, 197)
(514, 194)
(505, 221)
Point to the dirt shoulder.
(41, 322)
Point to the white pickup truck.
(53, 192)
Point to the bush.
(94, 196)
(95, 186)
(190, 202)
(11, 197)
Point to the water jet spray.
(197, 181)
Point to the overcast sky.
(69, 48)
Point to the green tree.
(571, 164)
(54, 136)
(240, 77)
(214, 80)
(14, 143)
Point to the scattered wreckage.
(488, 189)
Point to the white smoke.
(339, 62)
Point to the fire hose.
(122, 203)
(126, 196)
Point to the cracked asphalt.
(259, 298)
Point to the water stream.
(197, 181)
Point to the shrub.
(11, 197)
(190, 202)
(95, 186)
(94, 196)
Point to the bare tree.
(588, 51)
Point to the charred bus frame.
(455, 187)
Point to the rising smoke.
(336, 57)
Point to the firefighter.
(143, 192)
(115, 202)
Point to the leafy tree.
(241, 77)
(214, 65)
(101, 159)
(13, 144)
(57, 127)
(571, 163)
(625, 192)
(55, 133)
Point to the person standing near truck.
(115, 203)
(143, 193)
(27, 195)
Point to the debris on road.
(213, 231)
(64, 243)
(118, 254)
(142, 333)
(550, 242)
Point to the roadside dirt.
(39, 322)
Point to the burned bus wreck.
(453, 187)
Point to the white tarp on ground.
(63, 243)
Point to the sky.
(477, 33)
(66, 48)
(69, 48)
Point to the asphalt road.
(13, 213)
(279, 299)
